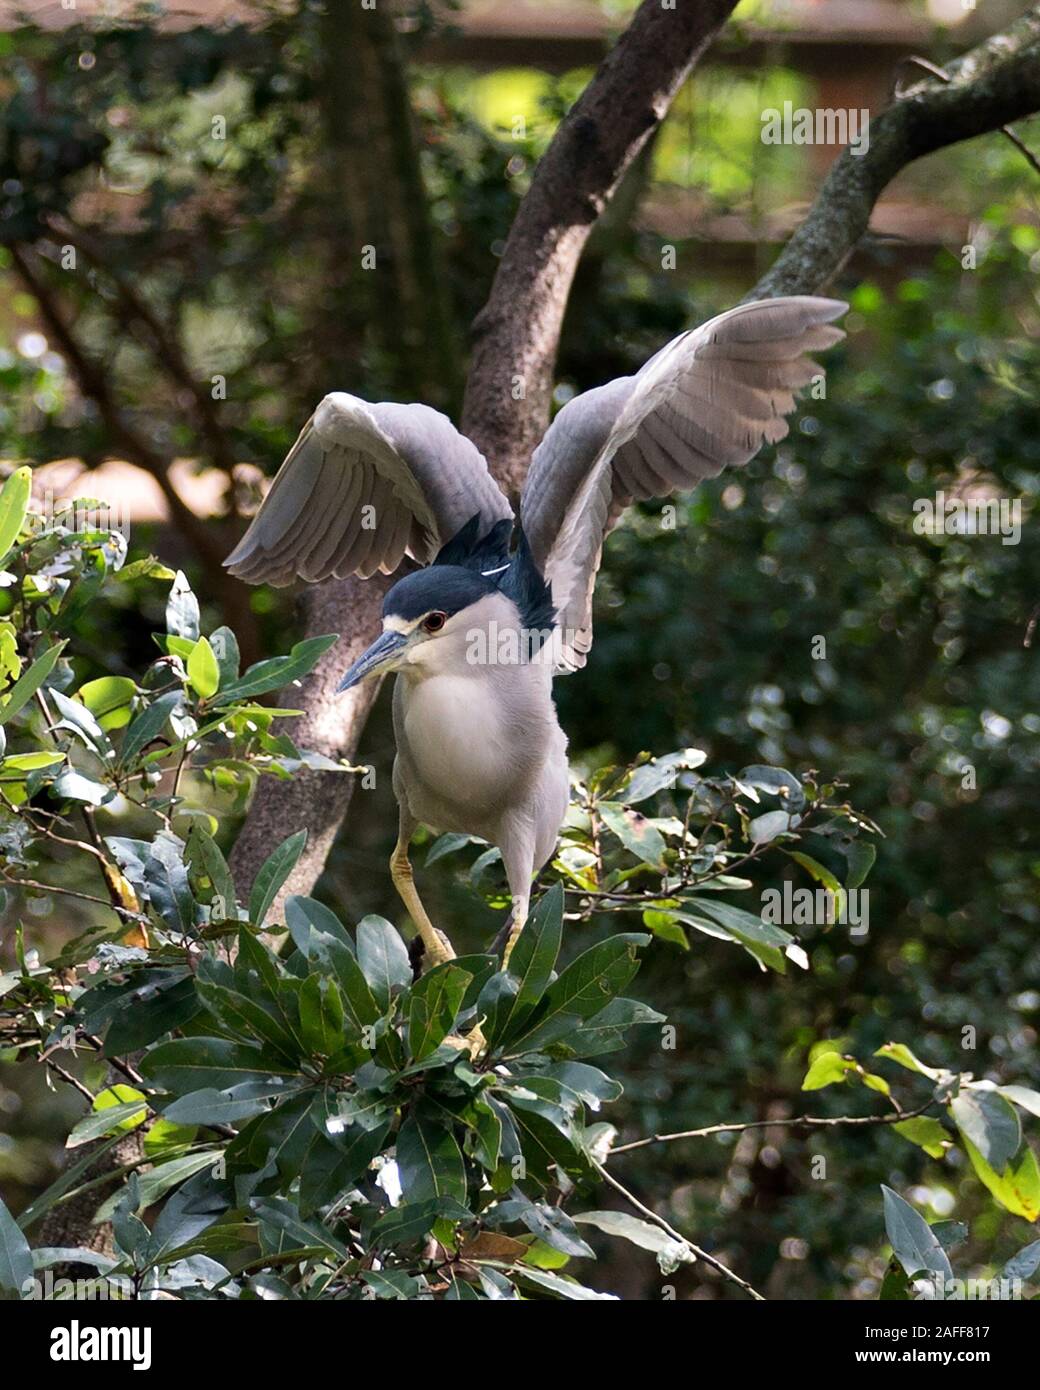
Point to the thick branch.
(994, 84)
(331, 724)
(517, 332)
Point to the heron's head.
(426, 616)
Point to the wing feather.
(707, 401)
(422, 477)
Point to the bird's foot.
(438, 947)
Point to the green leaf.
(14, 505)
(203, 671)
(225, 649)
(277, 671)
(433, 1006)
(563, 1288)
(148, 725)
(383, 958)
(306, 916)
(206, 861)
(584, 1084)
(550, 1224)
(828, 1069)
(321, 1015)
(487, 1133)
(763, 829)
(391, 1284)
(272, 874)
(240, 1014)
(777, 781)
(913, 1242)
(605, 1031)
(582, 990)
(1022, 1096)
(182, 609)
(859, 856)
(160, 1180)
(331, 1168)
(950, 1234)
(16, 1265)
(192, 1064)
(1017, 1189)
(1023, 1265)
(78, 720)
(990, 1123)
(413, 1221)
(104, 1121)
(545, 1144)
(641, 1233)
(926, 1132)
(638, 834)
(283, 1216)
(766, 942)
(666, 926)
(148, 568)
(429, 1161)
(212, 1107)
(449, 844)
(29, 682)
(534, 957)
(649, 778)
(73, 786)
(899, 1052)
(21, 763)
(823, 875)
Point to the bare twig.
(69, 1079)
(701, 1254)
(797, 1122)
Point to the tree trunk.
(331, 724)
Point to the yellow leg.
(438, 947)
(516, 927)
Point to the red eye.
(433, 622)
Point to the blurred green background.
(217, 184)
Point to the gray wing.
(708, 400)
(363, 485)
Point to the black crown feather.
(467, 567)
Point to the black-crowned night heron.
(477, 636)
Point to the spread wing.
(708, 400)
(363, 485)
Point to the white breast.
(457, 737)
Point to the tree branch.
(517, 332)
(651, 1215)
(993, 85)
(892, 1117)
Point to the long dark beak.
(381, 656)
